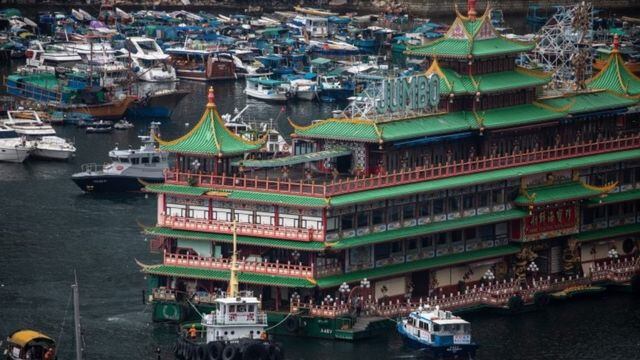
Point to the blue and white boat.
(438, 332)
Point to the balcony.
(225, 227)
(257, 267)
(320, 188)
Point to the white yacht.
(98, 57)
(13, 148)
(128, 169)
(305, 89)
(41, 136)
(52, 54)
(148, 61)
(267, 89)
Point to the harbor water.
(49, 229)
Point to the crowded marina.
(331, 176)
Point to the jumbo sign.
(418, 92)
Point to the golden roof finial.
(471, 9)
(211, 98)
(616, 43)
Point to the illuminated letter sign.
(409, 93)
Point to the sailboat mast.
(76, 320)
(233, 277)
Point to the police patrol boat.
(128, 170)
(438, 332)
(235, 330)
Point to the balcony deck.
(319, 187)
(257, 267)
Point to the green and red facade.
(501, 176)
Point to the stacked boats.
(23, 134)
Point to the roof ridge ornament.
(616, 43)
(211, 98)
(471, 9)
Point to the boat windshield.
(123, 160)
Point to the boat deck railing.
(321, 188)
(237, 318)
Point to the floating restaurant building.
(415, 203)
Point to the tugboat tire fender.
(254, 351)
(274, 352)
(292, 324)
(200, 352)
(230, 352)
(214, 350)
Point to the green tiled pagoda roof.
(250, 196)
(516, 116)
(426, 229)
(608, 233)
(616, 77)
(370, 131)
(176, 189)
(453, 82)
(424, 264)
(211, 137)
(483, 177)
(613, 198)
(560, 192)
(587, 102)
(244, 240)
(476, 37)
(243, 277)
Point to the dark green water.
(48, 228)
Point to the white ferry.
(439, 332)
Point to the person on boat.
(193, 332)
(49, 354)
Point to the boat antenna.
(76, 317)
(232, 291)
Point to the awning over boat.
(320, 61)
(294, 159)
(24, 337)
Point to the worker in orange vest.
(193, 332)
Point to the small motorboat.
(30, 344)
(123, 125)
(100, 127)
(438, 332)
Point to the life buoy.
(214, 350)
(285, 147)
(274, 352)
(230, 352)
(292, 324)
(119, 167)
(255, 351)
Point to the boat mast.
(232, 291)
(76, 319)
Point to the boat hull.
(52, 154)
(13, 155)
(456, 351)
(280, 97)
(111, 183)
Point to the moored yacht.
(13, 148)
(42, 137)
(128, 169)
(148, 60)
(267, 89)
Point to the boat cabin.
(30, 344)
(235, 318)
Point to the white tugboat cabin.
(235, 318)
